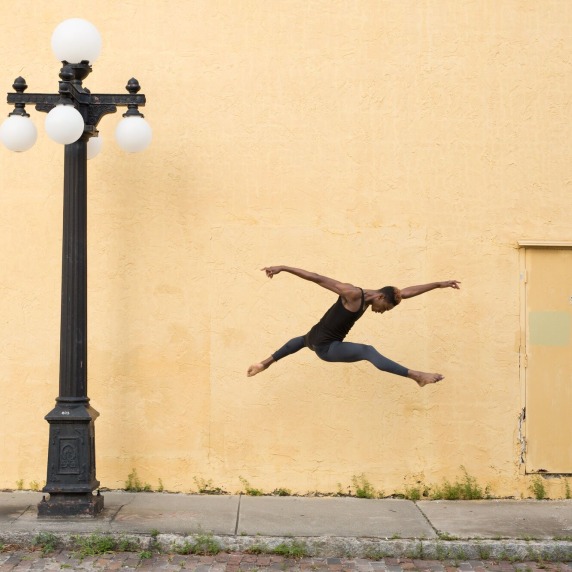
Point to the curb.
(326, 546)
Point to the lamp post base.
(71, 461)
(70, 504)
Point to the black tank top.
(334, 325)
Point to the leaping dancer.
(326, 337)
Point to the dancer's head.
(387, 300)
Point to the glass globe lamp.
(76, 40)
(94, 146)
(133, 133)
(64, 124)
(18, 133)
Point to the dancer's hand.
(450, 284)
(272, 270)
(412, 291)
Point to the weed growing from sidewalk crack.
(294, 549)
(364, 489)
(504, 555)
(461, 554)
(251, 491)
(46, 541)
(416, 552)
(206, 544)
(442, 552)
(532, 554)
(413, 493)
(206, 487)
(202, 544)
(258, 549)
(154, 545)
(484, 552)
(465, 489)
(127, 545)
(94, 544)
(134, 484)
(447, 536)
(97, 543)
(183, 548)
(537, 488)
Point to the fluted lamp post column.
(73, 116)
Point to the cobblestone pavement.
(66, 560)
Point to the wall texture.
(374, 141)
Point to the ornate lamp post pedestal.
(73, 116)
(71, 462)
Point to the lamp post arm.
(119, 99)
(95, 105)
(33, 98)
(103, 104)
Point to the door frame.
(522, 246)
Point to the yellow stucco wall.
(372, 141)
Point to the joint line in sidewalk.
(237, 515)
(425, 517)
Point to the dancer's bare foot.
(255, 368)
(423, 378)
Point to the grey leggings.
(346, 352)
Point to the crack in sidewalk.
(113, 516)
(22, 513)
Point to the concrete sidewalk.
(329, 526)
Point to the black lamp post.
(71, 478)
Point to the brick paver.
(124, 561)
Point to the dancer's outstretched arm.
(412, 291)
(346, 291)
